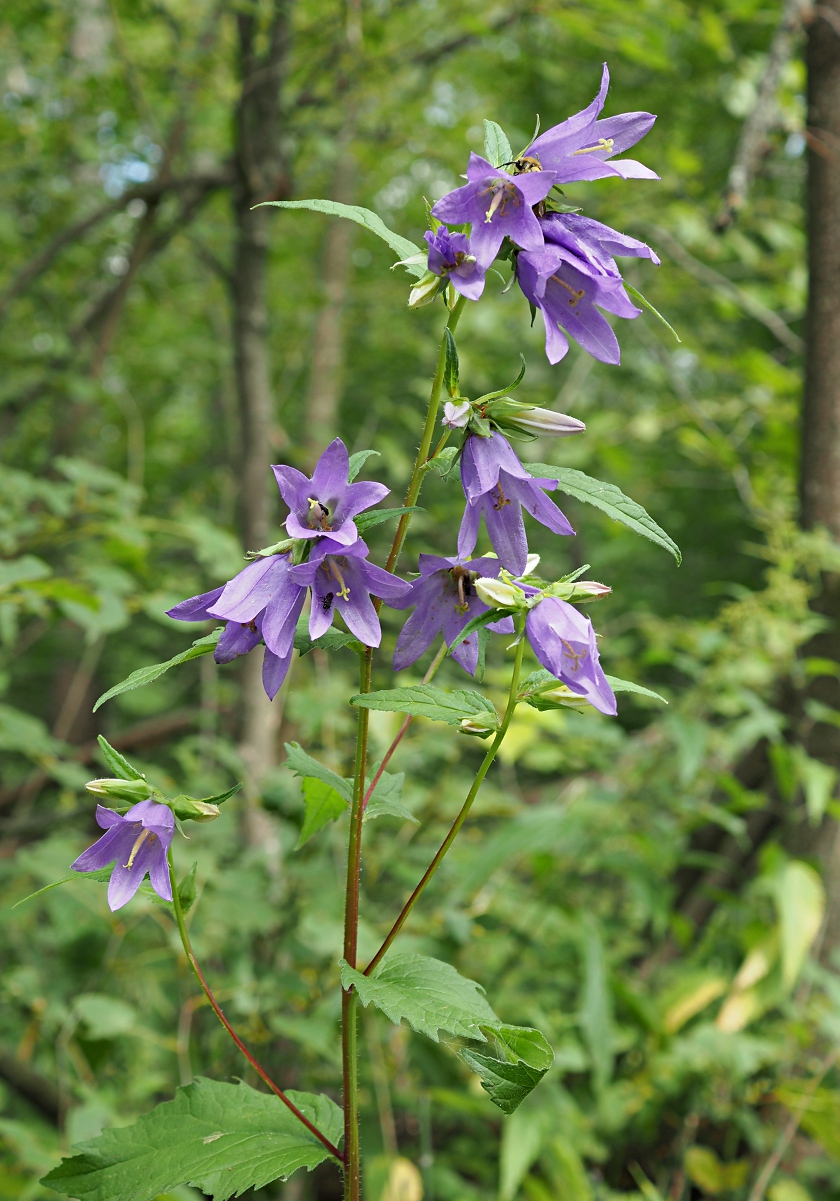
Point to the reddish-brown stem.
(208, 992)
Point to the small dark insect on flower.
(327, 602)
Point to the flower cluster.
(564, 262)
(323, 553)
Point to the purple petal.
(159, 877)
(104, 851)
(629, 168)
(274, 672)
(360, 618)
(383, 584)
(237, 639)
(106, 818)
(507, 532)
(248, 593)
(331, 470)
(468, 533)
(361, 496)
(281, 614)
(532, 498)
(195, 609)
(625, 130)
(418, 634)
(571, 134)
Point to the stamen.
(576, 295)
(502, 499)
(576, 656)
(602, 144)
(320, 517)
(138, 842)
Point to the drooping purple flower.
(568, 289)
(579, 147)
(341, 578)
(136, 843)
(496, 204)
(261, 603)
(593, 241)
(450, 255)
(445, 600)
(325, 505)
(498, 487)
(564, 642)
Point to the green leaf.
(187, 891)
(402, 246)
(424, 700)
(476, 623)
(609, 500)
(386, 800)
(219, 1138)
(451, 369)
(119, 765)
(444, 460)
(357, 462)
(496, 145)
(619, 685)
(146, 675)
(504, 391)
(366, 521)
(304, 765)
(220, 797)
(100, 874)
(646, 304)
(323, 805)
(508, 1084)
(333, 640)
(428, 993)
(523, 1042)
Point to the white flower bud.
(424, 291)
(497, 594)
(476, 728)
(455, 415)
(545, 422)
(120, 790)
(531, 564)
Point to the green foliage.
(362, 217)
(147, 675)
(496, 145)
(220, 1138)
(426, 700)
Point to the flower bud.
(121, 790)
(424, 291)
(187, 809)
(531, 564)
(559, 697)
(545, 422)
(497, 594)
(578, 590)
(476, 728)
(455, 415)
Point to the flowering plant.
(224, 1138)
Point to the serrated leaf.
(323, 805)
(333, 640)
(118, 764)
(496, 145)
(507, 1084)
(146, 675)
(525, 1043)
(451, 368)
(302, 764)
(646, 304)
(425, 700)
(386, 800)
(476, 623)
(219, 1138)
(609, 500)
(619, 685)
(443, 461)
(429, 994)
(402, 246)
(357, 462)
(366, 521)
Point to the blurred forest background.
(659, 894)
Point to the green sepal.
(451, 369)
(488, 396)
(187, 891)
(646, 303)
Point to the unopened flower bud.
(476, 728)
(578, 590)
(497, 594)
(531, 564)
(121, 790)
(545, 422)
(424, 291)
(187, 809)
(561, 696)
(455, 415)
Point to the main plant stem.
(349, 1016)
(465, 808)
(261, 1072)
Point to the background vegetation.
(650, 892)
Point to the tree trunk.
(325, 378)
(260, 174)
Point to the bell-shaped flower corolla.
(579, 148)
(497, 205)
(136, 843)
(445, 600)
(564, 642)
(498, 487)
(341, 578)
(324, 506)
(450, 255)
(567, 290)
(261, 603)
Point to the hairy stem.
(426, 439)
(427, 678)
(261, 1072)
(349, 1017)
(465, 808)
